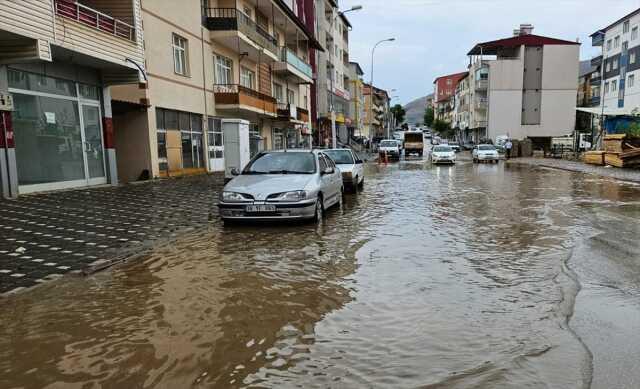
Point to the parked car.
(283, 185)
(389, 147)
(486, 153)
(351, 166)
(443, 154)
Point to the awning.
(607, 111)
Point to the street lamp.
(334, 140)
(373, 51)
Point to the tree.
(428, 117)
(399, 113)
(443, 128)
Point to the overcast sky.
(433, 36)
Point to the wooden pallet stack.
(622, 151)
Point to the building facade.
(332, 69)
(376, 111)
(59, 62)
(620, 44)
(532, 84)
(462, 109)
(444, 96)
(356, 105)
(229, 59)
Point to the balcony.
(482, 84)
(238, 97)
(597, 39)
(595, 101)
(94, 19)
(481, 104)
(596, 61)
(290, 65)
(227, 25)
(293, 113)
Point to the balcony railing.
(287, 55)
(234, 94)
(482, 103)
(226, 19)
(96, 19)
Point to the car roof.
(345, 149)
(288, 151)
(486, 144)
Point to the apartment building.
(532, 84)
(356, 105)
(462, 110)
(444, 96)
(332, 69)
(478, 101)
(208, 61)
(59, 61)
(376, 111)
(620, 43)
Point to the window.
(625, 27)
(616, 42)
(306, 102)
(278, 93)
(609, 45)
(625, 46)
(634, 33)
(615, 64)
(291, 99)
(608, 66)
(614, 86)
(449, 81)
(606, 87)
(215, 138)
(247, 78)
(180, 47)
(223, 70)
(632, 58)
(631, 81)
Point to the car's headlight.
(297, 195)
(234, 197)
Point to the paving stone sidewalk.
(632, 175)
(45, 236)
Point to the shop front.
(58, 133)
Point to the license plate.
(261, 208)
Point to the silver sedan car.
(283, 185)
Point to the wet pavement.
(470, 276)
(45, 236)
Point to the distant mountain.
(415, 110)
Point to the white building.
(620, 44)
(531, 88)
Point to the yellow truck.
(413, 143)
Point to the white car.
(351, 166)
(443, 154)
(389, 147)
(487, 153)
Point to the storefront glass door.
(58, 133)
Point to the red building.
(444, 92)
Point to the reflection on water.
(433, 277)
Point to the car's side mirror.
(235, 172)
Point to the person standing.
(508, 146)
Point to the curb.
(573, 170)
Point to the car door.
(358, 169)
(326, 180)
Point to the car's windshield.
(343, 157)
(282, 163)
(486, 148)
(442, 149)
(388, 143)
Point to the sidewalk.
(45, 236)
(632, 175)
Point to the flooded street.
(470, 276)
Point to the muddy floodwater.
(471, 276)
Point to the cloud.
(433, 36)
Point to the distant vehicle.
(468, 146)
(351, 166)
(400, 145)
(413, 143)
(443, 154)
(501, 140)
(282, 185)
(455, 147)
(389, 147)
(485, 152)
